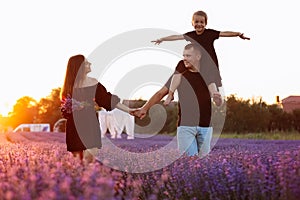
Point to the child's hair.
(200, 13)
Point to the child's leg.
(221, 90)
(169, 98)
(173, 86)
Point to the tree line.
(28, 110)
(240, 115)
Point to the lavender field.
(37, 166)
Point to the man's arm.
(141, 113)
(176, 79)
(168, 38)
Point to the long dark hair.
(74, 75)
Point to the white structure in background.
(32, 128)
(58, 124)
(115, 122)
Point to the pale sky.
(38, 37)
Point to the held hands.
(139, 112)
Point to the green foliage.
(24, 111)
(28, 110)
(245, 117)
(278, 135)
(296, 119)
(170, 124)
(172, 118)
(49, 108)
(234, 116)
(241, 116)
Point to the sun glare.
(5, 108)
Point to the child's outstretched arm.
(168, 38)
(233, 34)
(173, 86)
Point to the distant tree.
(245, 116)
(286, 122)
(236, 115)
(240, 115)
(296, 119)
(142, 126)
(259, 116)
(275, 116)
(49, 108)
(24, 111)
(172, 118)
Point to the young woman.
(79, 95)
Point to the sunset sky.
(38, 37)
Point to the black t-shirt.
(194, 99)
(206, 40)
(209, 71)
(209, 61)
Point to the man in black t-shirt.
(195, 91)
(204, 37)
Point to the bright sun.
(5, 108)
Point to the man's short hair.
(196, 47)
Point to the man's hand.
(139, 112)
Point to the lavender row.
(37, 166)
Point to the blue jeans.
(194, 140)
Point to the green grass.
(264, 136)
